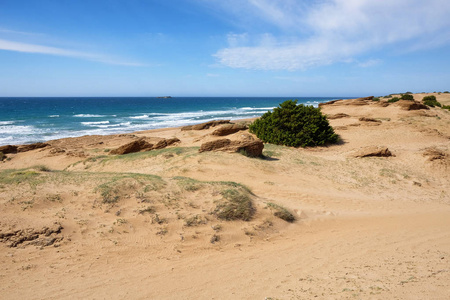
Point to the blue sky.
(223, 47)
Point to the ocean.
(30, 120)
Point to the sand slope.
(145, 225)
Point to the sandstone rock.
(434, 154)
(329, 102)
(252, 147)
(143, 145)
(135, 146)
(229, 129)
(410, 105)
(25, 148)
(8, 149)
(357, 102)
(377, 151)
(365, 119)
(205, 125)
(45, 236)
(164, 143)
(337, 116)
(214, 145)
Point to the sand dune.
(77, 222)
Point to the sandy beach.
(79, 223)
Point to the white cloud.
(332, 31)
(370, 63)
(40, 49)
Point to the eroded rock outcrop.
(141, 145)
(410, 105)
(377, 151)
(8, 149)
(29, 147)
(228, 129)
(45, 236)
(205, 125)
(252, 146)
(337, 116)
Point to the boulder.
(377, 151)
(205, 125)
(25, 148)
(365, 119)
(252, 147)
(434, 154)
(410, 105)
(228, 129)
(164, 143)
(337, 116)
(135, 146)
(141, 145)
(8, 149)
(357, 102)
(214, 145)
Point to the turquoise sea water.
(28, 120)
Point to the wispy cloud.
(332, 31)
(41, 49)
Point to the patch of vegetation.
(147, 210)
(393, 99)
(42, 168)
(188, 184)
(431, 101)
(19, 176)
(171, 151)
(194, 221)
(235, 205)
(407, 96)
(294, 125)
(281, 212)
(446, 107)
(112, 190)
(376, 99)
(54, 197)
(215, 238)
(2, 156)
(156, 219)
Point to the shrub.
(294, 125)
(394, 99)
(281, 212)
(407, 97)
(236, 205)
(2, 156)
(446, 107)
(376, 99)
(431, 101)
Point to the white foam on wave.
(94, 123)
(18, 129)
(89, 116)
(53, 116)
(140, 117)
(6, 122)
(258, 108)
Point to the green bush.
(376, 99)
(294, 125)
(2, 156)
(431, 101)
(407, 97)
(394, 99)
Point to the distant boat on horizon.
(164, 97)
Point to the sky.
(223, 47)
